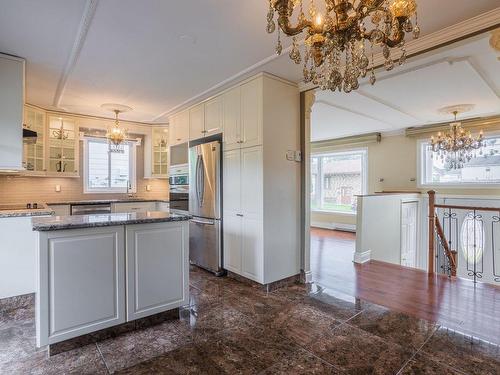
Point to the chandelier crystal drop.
(458, 146)
(335, 54)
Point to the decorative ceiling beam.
(342, 108)
(81, 35)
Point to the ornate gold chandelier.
(115, 134)
(458, 146)
(335, 55)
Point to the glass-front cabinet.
(63, 137)
(34, 151)
(160, 153)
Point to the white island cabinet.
(119, 268)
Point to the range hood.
(29, 136)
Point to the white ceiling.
(463, 73)
(155, 55)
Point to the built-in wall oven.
(179, 177)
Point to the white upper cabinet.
(34, 153)
(197, 122)
(231, 113)
(63, 146)
(251, 113)
(11, 112)
(213, 116)
(179, 128)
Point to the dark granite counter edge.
(45, 227)
(26, 213)
(104, 201)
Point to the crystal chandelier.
(335, 55)
(116, 135)
(458, 146)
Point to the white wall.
(379, 226)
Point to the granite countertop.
(104, 201)
(15, 211)
(105, 220)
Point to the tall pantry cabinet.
(261, 187)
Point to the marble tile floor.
(233, 328)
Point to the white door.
(409, 218)
(252, 252)
(251, 113)
(213, 116)
(231, 112)
(232, 242)
(197, 122)
(251, 182)
(232, 181)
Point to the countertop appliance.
(205, 245)
(90, 209)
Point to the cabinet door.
(231, 118)
(251, 113)
(172, 130)
(252, 252)
(232, 242)
(157, 268)
(159, 152)
(182, 125)
(63, 140)
(34, 153)
(81, 282)
(251, 182)
(232, 181)
(213, 116)
(197, 122)
(134, 207)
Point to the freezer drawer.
(205, 244)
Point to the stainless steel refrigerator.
(205, 234)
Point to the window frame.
(423, 184)
(364, 175)
(110, 190)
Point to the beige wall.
(394, 160)
(20, 189)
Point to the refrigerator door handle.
(202, 180)
(203, 222)
(197, 179)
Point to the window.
(336, 179)
(108, 172)
(481, 170)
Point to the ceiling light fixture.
(458, 146)
(116, 135)
(334, 53)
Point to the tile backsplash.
(24, 189)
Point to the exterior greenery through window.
(336, 179)
(107, 171)
(481, 170)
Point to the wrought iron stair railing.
(463, 229)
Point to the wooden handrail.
(449, 253)
(432, 224)
(494, 209)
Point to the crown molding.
(81, 35)
(451, 34)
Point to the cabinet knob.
(240, 215)
(178, 139)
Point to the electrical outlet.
(148, 188)
(58, 188)
(298, 156)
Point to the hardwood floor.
(457, 304)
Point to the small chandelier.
(335, 55)
(115, 134)
(458, 146)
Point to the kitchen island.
(100, 271)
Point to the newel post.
(432, 225)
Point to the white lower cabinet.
(252, 249)
(81, 282)
(157, 273)
(133, 207)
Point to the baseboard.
(334, 226)
(363, 257)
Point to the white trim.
(334, 226)
(363, 257)
(336, 213)
(86, 20)
(133, 170)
